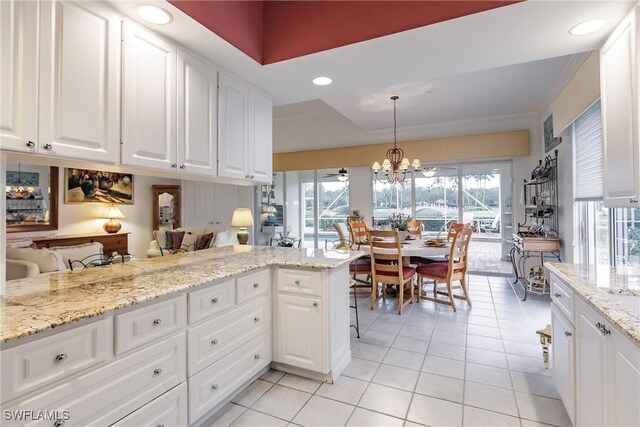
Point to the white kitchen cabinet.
(61, 82)
(197, 143)
(624, 380)
(19, 75)
(170, 409)
(299, 329)
(260, 146)
(233, 120)
(563, 355)
(620, 99)
(149, 134)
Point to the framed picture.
(549, 140)
(32, 179)
(90, 186)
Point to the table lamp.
(242, 218)
(112, 226)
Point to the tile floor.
(430, 366)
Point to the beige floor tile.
(377, 338)
(423, 333)
(542, 409)
(450, 351)
(490, 398)
(272, 376)
(344, 389)
(446, 388)
(443, 366)
(365, 418)
(475, 417)
(224, 417)
(449, 337)
(534, 384)
(434, 412)
(387, 400)
(361, 369)
(489, 375)
(484, 331)
(404, 359)
(523, 349)
(281, 402)
(487, 357)
(527, 364)
(445, 325)
(321, 412)
(413, 344)
(369, 352)
(394, 376)
(386, 327)
(300, 383)
(252, 393)
(252, 419)
(493, 344)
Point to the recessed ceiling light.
(153, 14)
(322, 81)
(588, 27)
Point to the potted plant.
(400, 222)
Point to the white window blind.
(589, 156)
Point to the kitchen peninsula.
(124, 343)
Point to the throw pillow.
(174, 239)
(190, 239)
(46, 259)
(21, 243)
(203, 241)
(221, 239)
(161, 238)
(78, 253)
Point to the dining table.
(414, 248)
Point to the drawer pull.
(557, 295)
(214, 301)
(256, 319)
(567, 334)
(257, 356)
(157, 371)
(255, 285)
(315, 304)
(61, 357)
(160, 425)
(214, 387)
(157, 322)
(297, 282)
(58, 423)
(48, 147)
(214, 342)
(31, 144)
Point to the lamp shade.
(113, 212)
(242, 217)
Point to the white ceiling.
(503, 62)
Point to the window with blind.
(589, 155)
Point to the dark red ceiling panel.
(273, 31)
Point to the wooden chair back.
(459, 252)
(340, 229)
(359, 232)
(454, 228)
(415, 228)
(386, 257)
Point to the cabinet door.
(299, 332)
(197, 115)
(591, 369)
(79, 114)
(148, 100)
(619, 97)
(624, 380)
(19, 75)
(563, 356)
(260, 137)
(232, 144)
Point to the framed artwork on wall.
(90, 186)
(549, 141)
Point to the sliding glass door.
(437, 200)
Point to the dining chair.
(415, 229)
(359, 232)
(387, 267)
(342, 230)
(453, 230)
(453, 269)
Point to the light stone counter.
(48, 301)
(605, 288)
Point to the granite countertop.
(47, 301)
(613, 291)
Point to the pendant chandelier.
(395, 166)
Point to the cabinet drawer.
(147, 324)
(215, 383)
(217, 337)
(563, 297)
(170, 409)
(208, 302)
(106, 395)
(36, 364)
(300, 282)
(253, 285)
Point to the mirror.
(166, 207)
(32, 197)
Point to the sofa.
(160, 245)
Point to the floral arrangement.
(399, 222)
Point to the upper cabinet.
(620, 98)
(245, 119)
(61, 90)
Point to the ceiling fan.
(342, 175)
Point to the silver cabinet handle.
(598, 325)
(297, 282)
(252, 176)
(61, 357)
(256, 319)
(257, 356)
(31, 144)
(557, 295)
(183, 167)
(255, 285)
(214, 301)
(160, 425)
(567, 334)
(58, 423)
(214, 342)
(214, 387)
(174, 165)
(157, 371)
(157, 321)
(246, 176)
(48, 147)
(315, 304)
